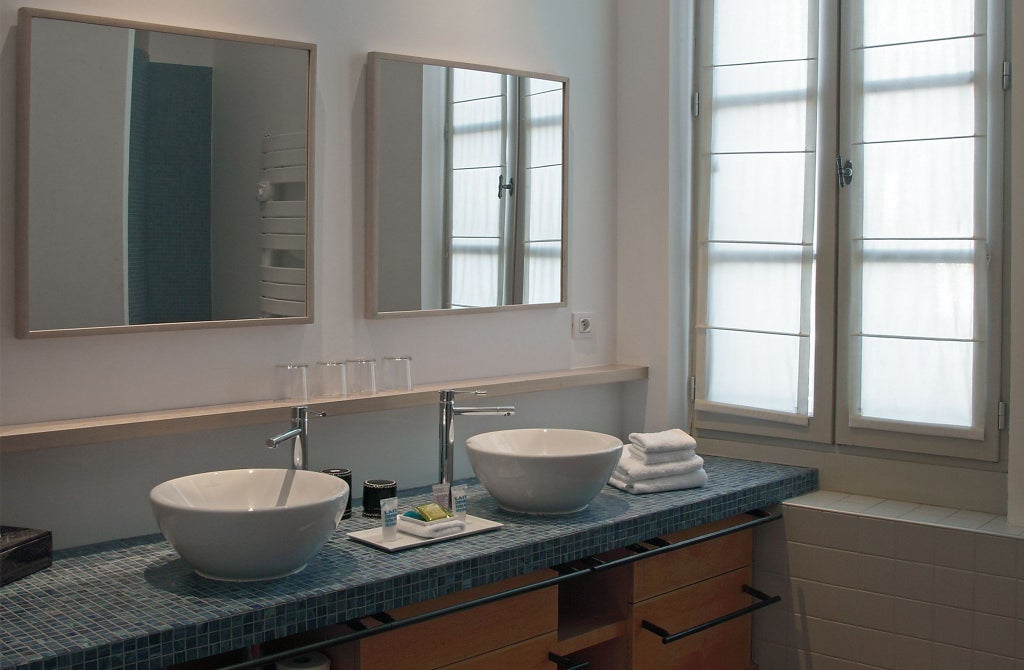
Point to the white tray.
(372, 536)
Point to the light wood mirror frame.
(381, 192)
(304, 272)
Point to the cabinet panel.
(529, 655)
(461, 635)
(661, 574)
(724, 647)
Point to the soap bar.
(23, 551)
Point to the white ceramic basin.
(248, 525)
(543, 470)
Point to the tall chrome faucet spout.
(300, 433)
(446, 429)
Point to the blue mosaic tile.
(134, 603)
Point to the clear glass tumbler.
(396, 373)
(331, 379)
(292, 382)
(360, 376)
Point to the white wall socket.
(583, 325)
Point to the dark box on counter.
(23, 551)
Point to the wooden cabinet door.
(529, 655)
(724, 647)
(462, 635)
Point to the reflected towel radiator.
(282, 196)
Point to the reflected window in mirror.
(466, 187)
(163, 177)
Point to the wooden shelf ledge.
(69, 432)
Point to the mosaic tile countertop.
(136, 604)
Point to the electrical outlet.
(583, 325)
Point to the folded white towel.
(693, 480)
(431, 529)
(655, 457)
(666, 440)
(632, 469)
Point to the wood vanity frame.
(587, 613)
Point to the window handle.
(844, 171)
(502, 186)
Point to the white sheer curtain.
(755, 322)
(915, 127)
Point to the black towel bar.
(763, 600)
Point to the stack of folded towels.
(665, 461)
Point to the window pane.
(774, 203)
(889, 21)
(544, 203)
(923, 289)
(474, 272)
(753, 370)
(919, 381)
(755, 287)
(741, 27)
(919, 189)
(477, 133)
(543, 272)
(476, 210)
(543, 115)
(764, 107)
(474, 84)
(918, 91)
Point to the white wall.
(72, 144)
(90, 493)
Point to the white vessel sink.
(543, 470)
(248, 525)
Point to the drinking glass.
(396, 373)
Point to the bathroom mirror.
(467, 200)
(163, 177)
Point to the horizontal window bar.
(760, 242)
(773, 97)
(918, 338)
(780, 152)
(919, 239)
(478, 167)
(751, 330)
(540, 167)
(479, 128)
(541, 241)
(483, 97)
(946, 80)
(932, 40)
(931, 429)
(918, 139)
(808, 59)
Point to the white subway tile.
(914, 580)
(893, 509)
(819, 499)
(876, 536)
(842, 641)
(954, 588)
(913, 618)
(954, 548)
(995, 595)
(910, 653)
(915, 542)
(982, 661)
(1000, 527)
(953, 625)
(853, 503)
(968, 519)
(994, 555)
(948, 657)
(994, 634)
(929, 514)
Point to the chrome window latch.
(502, 186)
(844, 171)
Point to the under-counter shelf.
(68, 432)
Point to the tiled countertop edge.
(186, 640)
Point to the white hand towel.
(431, 529)
(632, 469)
(655, 457)
(666, 440)
(693, 480)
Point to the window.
(864, 312)
(503, 189)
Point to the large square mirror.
(163, 177)
(467, 174)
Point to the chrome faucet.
(446, 443)
(300, 433)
